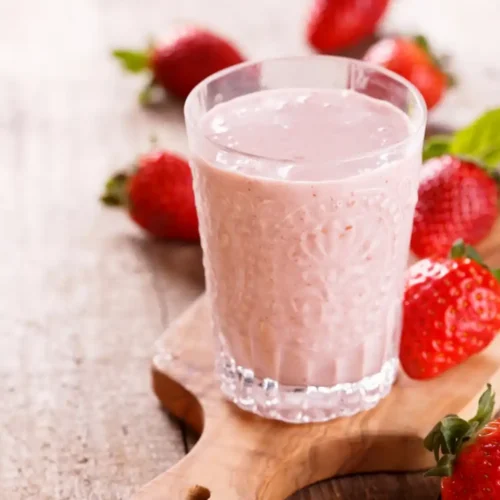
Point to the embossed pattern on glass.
(305, 274)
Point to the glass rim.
(415, 93)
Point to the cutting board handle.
(219, 467)
(248, 458)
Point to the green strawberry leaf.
(115, 193)
(422, 42)
(436, 145)
(448, 437)
(460, 249)
(451, 80)
(480, 140)
(439, 62)
(132, 60)
(432, 441)
(146, 94)
(496, 274)
(444, 467)
(485, 409)
(453, 430)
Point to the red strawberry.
(468, 453)
(457, 199)
(159, 196)
(180, 62)
(431, 82)
(413, 60)
(337, 24)
(451, 310)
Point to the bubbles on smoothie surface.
(304, 134)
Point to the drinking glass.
(305, 278)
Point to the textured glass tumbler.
(305, 278)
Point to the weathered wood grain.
(82, 294)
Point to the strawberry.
(431, 82)
(457, 199)
(180, 62)
(337, 24)
(413, 60)
(451, 310)
(468, 453)
(159, 196)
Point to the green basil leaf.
(479, 139)
(492, 159)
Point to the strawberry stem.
(448, 436)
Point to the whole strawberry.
(456, 199)
(451, 311)
(468, 453)
(159, 196)
(180, 62)
(413, 60)
(337, 24)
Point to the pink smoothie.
(306, 231)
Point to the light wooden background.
(83, 294)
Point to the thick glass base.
(270, 399)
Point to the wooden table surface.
(83, 293)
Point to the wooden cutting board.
(243, 457)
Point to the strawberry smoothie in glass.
(306, 176)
